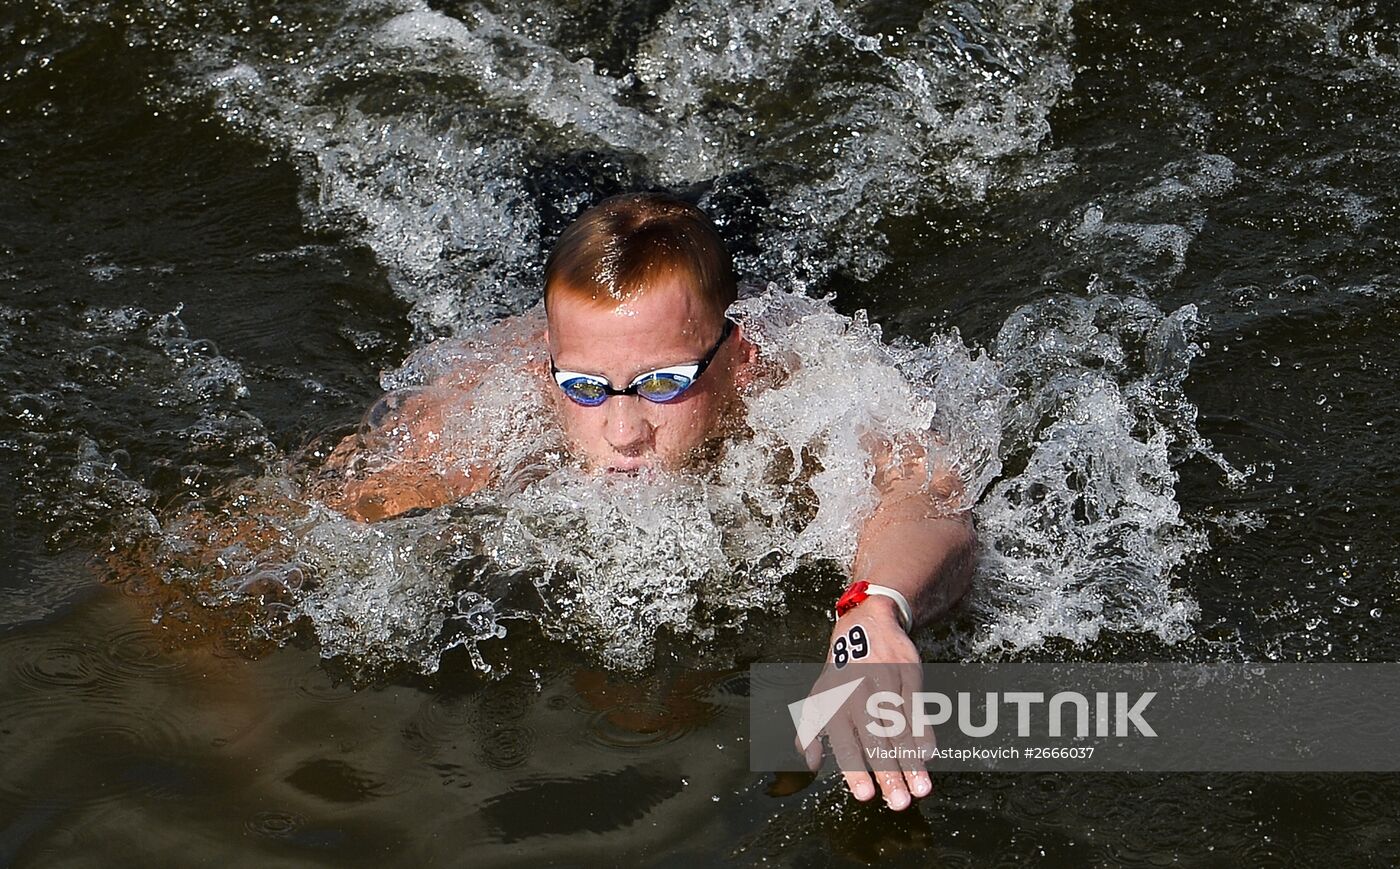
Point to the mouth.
(627, 466)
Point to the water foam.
(947, 106)
(1140, 239)
(455, 145)
(80, 386)
(1078, 395)
(1085, 537)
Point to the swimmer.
(645, 371)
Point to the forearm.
(398, 463)
(396, 490)
(913, 547)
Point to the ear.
(745, 365)
(747, 349)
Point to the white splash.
(454, 145)
(1080, 396)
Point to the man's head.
(638, 283)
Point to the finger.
(927, 745)
(911, 764)
(892, 785)
(859, 783)
(913, 751)
(888, 774)
(908, 763)
(884, 752)
(845, 745)
(811, 752)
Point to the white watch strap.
(906, 613)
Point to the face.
(663, 326)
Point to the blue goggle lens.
(585, 392)
(662, 387)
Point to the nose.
(628, 431)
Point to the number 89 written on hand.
(852, 646)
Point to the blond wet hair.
(626, 243)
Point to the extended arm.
(918, 544)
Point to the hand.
(871, 634)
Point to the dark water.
(1238, 157)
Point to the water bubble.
(274, 824)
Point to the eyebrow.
(708, 354)
(634, 377)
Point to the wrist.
(880, 608)
(864, 593)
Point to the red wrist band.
(858, 592)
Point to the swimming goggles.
(661, 385)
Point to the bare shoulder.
(440, 380)
(462, 361)
(408, 451)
